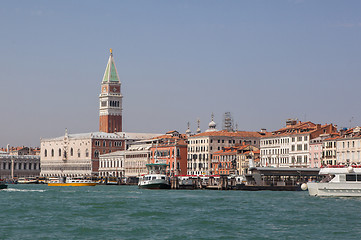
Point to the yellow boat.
(75, 182)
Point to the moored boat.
(30, 180)
(156, 177)
(337, 182)
(67, 181)
(3, 185)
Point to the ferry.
(67, 181)
(337, 182)
(156, 177)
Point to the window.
(96, 154)
(104, 143)
(71, 152)
(299, 139)
(59, 152)
(86, 153)
(79, 153)
(46, 153)
(52, 152)
(305, 147)
(351, 177)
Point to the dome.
(198, 130)
(212, 124)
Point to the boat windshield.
(327, 178)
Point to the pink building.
(316, 152)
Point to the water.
(126, 212)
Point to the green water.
(126, 212)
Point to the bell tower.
(110, 100)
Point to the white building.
(348, 147)
(12, 166)
(289, 146)
(127, 163)
(202, 146)
(78, 154)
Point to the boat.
(3, 185)
(156, 177)
(336, 182)
(30, 180)
(112, 181)
(67, 181)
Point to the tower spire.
(111, 73)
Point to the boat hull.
(155, 186)
(72, 184)
(334, 189)
(3, 186)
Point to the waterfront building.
(245, 154)
(202, 146)
(329, 153)
(19, 166)
(234, 160)
(289, 146)
(130, 162)
(224, 161)
(316, 152)
(110, 100)
(78, 154)
(171, 149)
(348, 147)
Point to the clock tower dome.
(110, 100)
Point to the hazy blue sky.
(264, 61)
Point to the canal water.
(126, 212)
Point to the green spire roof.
(111, 74)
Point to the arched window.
(110, 144)
(86, 153)
(59, 152)
(52, 152)
(71, 152)
(96, 154)
(46, 153)
(78, 153)
(104, 143)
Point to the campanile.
(110, 100)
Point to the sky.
(263, 61)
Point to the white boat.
(340, 182)
(156, 177)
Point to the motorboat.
(67, 181)
(340, 182)
(3, 185)
(156, 177)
